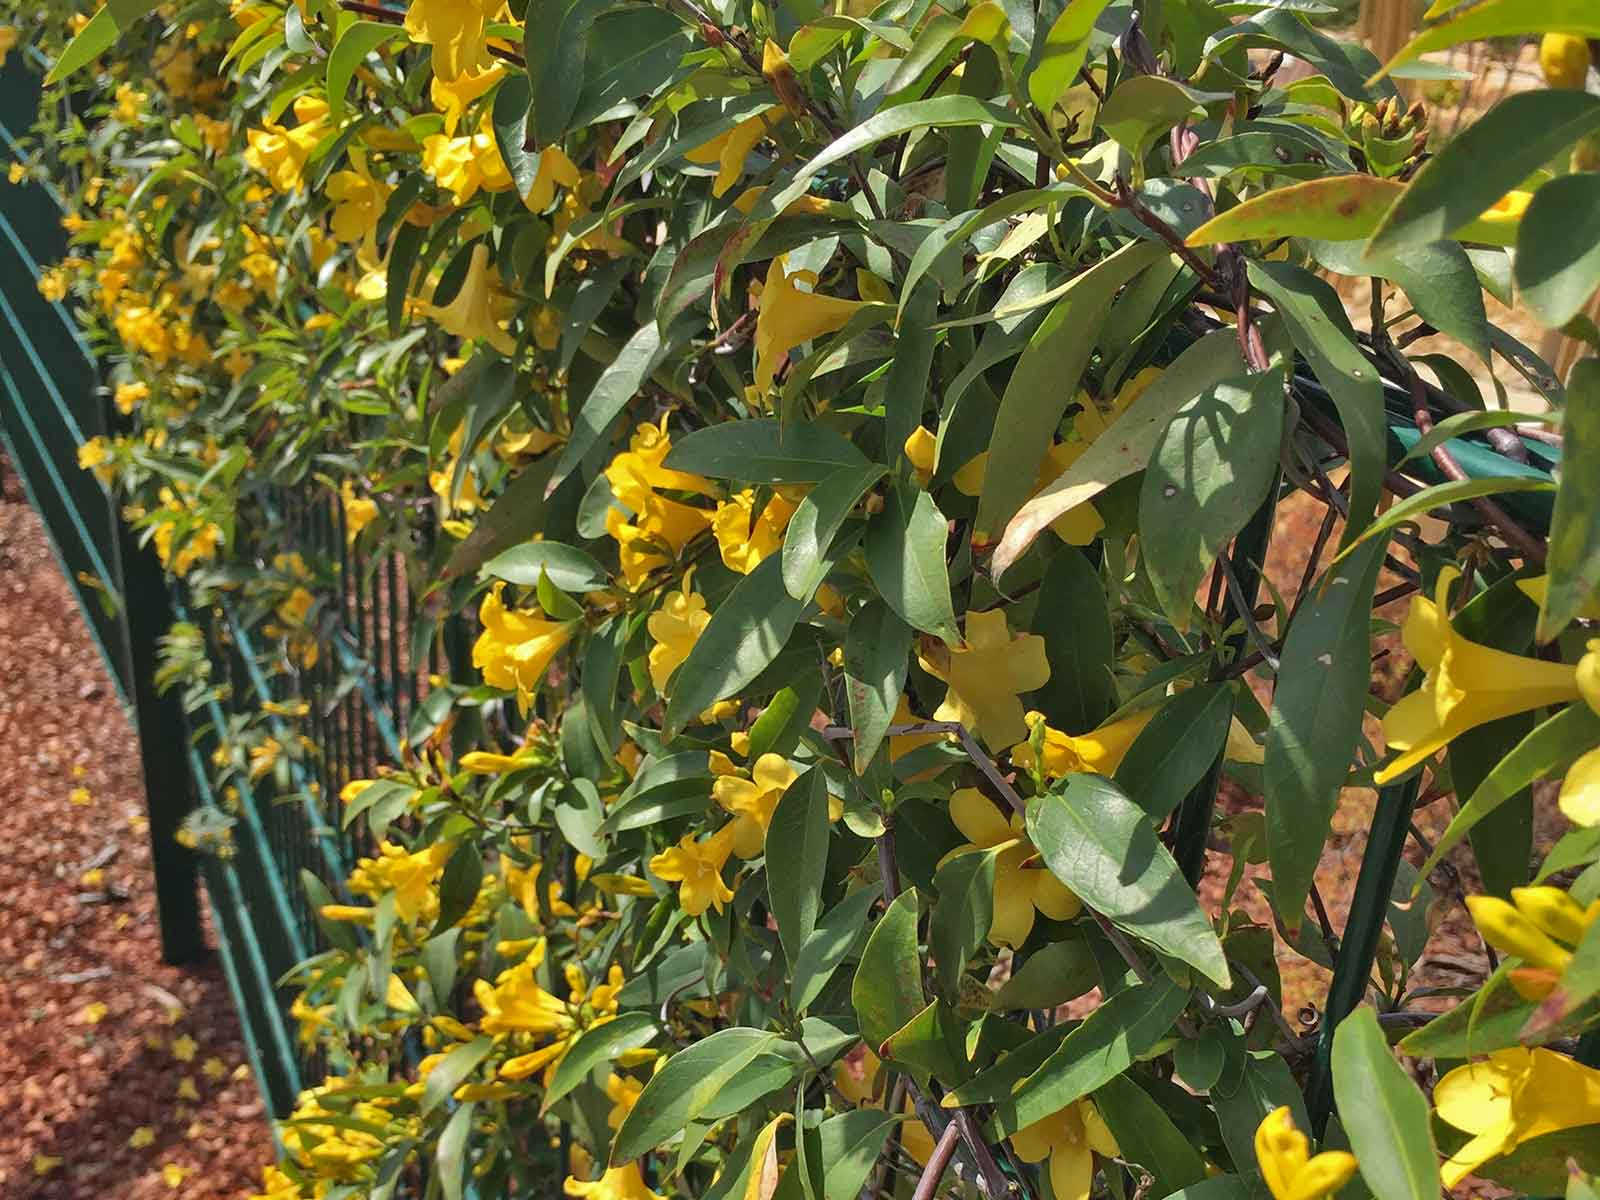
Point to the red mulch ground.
(93, 1107)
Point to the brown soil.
(94, 1028)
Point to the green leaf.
(1554, 743)
(798, 835)
(450, 1159)
(1315, 722)
(1046, 379)
(929, 1046)
(887, 991)
(355, 43)
(961, 914)
(764, 451)
(876, 659)
(632, 51)
(1066, 47)
(1124, 449)
(1145, 106)
(1472, 1028)
(1102, 846)
(1345, 65)
(746, 633)
(1487, 159)
(1383, 1112)
(1051, 976)
(1147, 1136)
(1074, 619)
(1210, 472)
(1110, 1040)
(600, 1044)
(556, 58)
(513, 107)
(618, 384)
(567, 568)
(841, 928)
(1439, 279)
(1579, 984)
(1574, 563)
(98, 36)
(448, 1074)
(905, 549)
(1558, 249)
(1256, 1083)
(685, 1087)
(1442, 495)
(1501, 18)
(1177, 748)
(850, 1145)
(971, 149)
(1336, 208)
(906, 386)
(816, 520)
(458, 886)
(1320, 330)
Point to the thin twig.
(968, 743)
(938, 1163)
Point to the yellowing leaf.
(1499, 18)
(1340, 208)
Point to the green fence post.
(163, 737)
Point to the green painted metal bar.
(230, 973)
(58, 306)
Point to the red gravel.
(77, 1090)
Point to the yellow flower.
(1513, 1097)
(660, 527)
(516, 645)
(1580, 791)
(623, 1091)
(1070, 1139)
(920, 450)
(696, 866)
(986, 675)
(789, 316)
(80, 796)
(745, 542)
(359, 512)
(478, 308)
(463, 165)
(753, 801)
(359, 200)
(141, 1137)
(280, 154)
(1022, 884)
(10, 35)
(618, 1183)
(129, 396)
(453, 97)
(43, 1164)
(1466, 684)
(1539, 926)
(457, 31)
(130, 104)
(184, 1048)
(173, 1175)
(674, 628)
(410, 876)
(729, 150)
(53, 285)
(1291, 1173)
(92, 1013)
(555, 169)
(516, 1004)
(481, 762)
(1098, 752)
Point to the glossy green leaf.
(458, 886)
(689, 1082)
(840, 930)
(1066, 47)
(1574, 563)
(850, 1144)
(876, 660)
(451, 1071)
(1142, 107)
(816, 520)
(1383, 1112)
(1103, 846)
(450, 1156)
(748, 629)
(1148, 1137)
(1177, 748)
(1322, 332)
(351, 50)
(1346, 65)
(905, 549)
(961, 914)
(1074, 619)
(1501, 18)
(1442, 495)
(94, 39)
(1335, 208)
(1439, 279)
(618, 383)
(1045, 380)
(887, 991)
(764, 451)
(1210, 471)
(1487, 159)
(1315, 722)
(798, 836)
(598, 1045)
(1558, 249)
(566, 567)
(1050, 976)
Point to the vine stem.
(969, 744)
(938, 1163)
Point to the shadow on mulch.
(123, 1077)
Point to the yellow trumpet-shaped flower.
(1514, 1096)
(359, 511)
(1289, 1168)
(516, 645)
(618, 1183)
(279, 153)
(359, 200)
(1022, 884)
(10, 35)
(1069, 1139)
(623, 1091)
(457, 31)
(674, 628)
(452, 97)
(409, 875)
(1098, 752)
(1541, 926)
(986, 676)
(789, 317)
(464, 165)
(729, 150)
(743, 538)
(753, 801)
(555, 170)
(1466, 684)
(478, 308)
(660, 527)
(696, 867)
